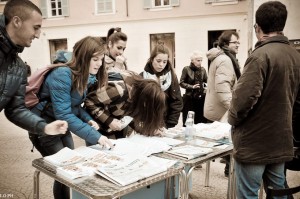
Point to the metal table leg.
(36, 184)
(231, 180)
(183, 193)
(207, 171)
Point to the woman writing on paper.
(127, 94)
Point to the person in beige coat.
(222, 77)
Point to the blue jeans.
(250, 176)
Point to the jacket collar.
(7, 46)
(149, 68)
(275, 39)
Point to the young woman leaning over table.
(127, 94)
(65, 89)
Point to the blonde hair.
(195, 54)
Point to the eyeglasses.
(235, 42)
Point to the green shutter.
(174, 2)
(44, 9)
(147, 4)
(65, 7)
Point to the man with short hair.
(262, 105)
(19, 25)
(224, 71)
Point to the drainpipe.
(127, 8)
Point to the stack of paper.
(214, 131)
(188, 151)
(134, 170)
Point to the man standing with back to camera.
(19, 25)
(262, 103)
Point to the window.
(160, 3)
(55, 45)
(105, 6)
(54, 8)
(221, 1)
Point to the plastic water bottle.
(189, 123)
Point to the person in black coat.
(193, 80)
(19, 25)
(159, 68)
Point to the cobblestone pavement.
(16, 172)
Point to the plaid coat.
(107, 103)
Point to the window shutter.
(109, 6)
(65, 7)
(147, 4)
(44, 8)
(174, 3)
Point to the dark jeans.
(293, 165)
(196, 105)
(227, 160)
(49, 145)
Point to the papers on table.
(65, 156)
(175, 132)
(90, 159)
(125, 121)
(139, 145)
(134, 170)
(188, 151)
(214, 131)
(204, 143)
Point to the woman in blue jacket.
(63, 91)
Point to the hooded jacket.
(220, 83)
(13, 80)
(262, 103)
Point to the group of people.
(258, 102)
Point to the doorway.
(166, 39)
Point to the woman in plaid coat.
(127, 94)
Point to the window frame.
(150, 4)
(105, 12)
(46, 8)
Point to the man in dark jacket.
(19, 25)
(262, 105)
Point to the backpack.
(34, 85)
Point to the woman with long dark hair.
(127, 94)
(160, 69)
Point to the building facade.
(182, 25)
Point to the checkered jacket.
(107, 103)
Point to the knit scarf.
(164, 80)
(197, 74)
(235, 64)
(92, 79)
